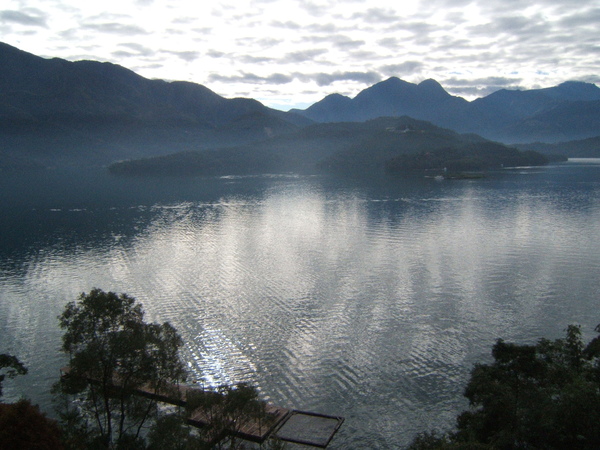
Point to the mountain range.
(565, 112)
(395, 144)
(56, 112)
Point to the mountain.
(584, 148)
(393, 97)
(55, 112)
(568, 111)
(102, 111)
(398, 143)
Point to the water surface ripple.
(368, 301)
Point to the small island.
(463, 162)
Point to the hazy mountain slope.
(584, 148)
(333, 147)
(393, 97)
(564, 121)
(567, 111)
(59, 110)
(50, 89)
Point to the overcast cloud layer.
(288, 53)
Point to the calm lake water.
(365, 298)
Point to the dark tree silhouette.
(545, 395)
(112, 353)
(11, 367)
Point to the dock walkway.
(301, 427)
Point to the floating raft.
(299, 427)
(307, 428)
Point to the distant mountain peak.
(432, 88)
(337, 97)
(330, 107)
(574, 91)
(392, 83)
(430, 82)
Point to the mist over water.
(369, 299)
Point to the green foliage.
(226, 411)
(545, 395)
(171, 432)
(112, 353)
(435, 441)
(13, 368)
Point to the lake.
(368, 298)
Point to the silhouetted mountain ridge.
(53, 109)
(584, 148)
(48, 89)
(57, 112)
(342, 147)
(505, 115)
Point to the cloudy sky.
(288, 53)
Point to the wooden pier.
(301, 427)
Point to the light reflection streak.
(333, 302)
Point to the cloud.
(377, 16)
(139, 49)
(344, 45)
(363, 55)
(323, 28)
(288, 25)
(389, 42)
(591, 79)
(313, 8)
(251, 78)
(249, 59)
(326, 79)
(303, 55)
(582, 18)
(116, 28)
(184, 55)
(337, 40)
(405, 68)
(419, 28)
(21, 18)
(215, 54)
(321, 79)
(518, 25)
(344, 42)
(123, 54)
(480, 87)
(265, 42)
(495, 81)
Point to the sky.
(292, 53)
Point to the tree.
(226, 411)
(113, 354)
(172, 432)
(13, 368)
(23, 426)
(545, 395)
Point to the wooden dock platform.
(301, 427)
(308, 428)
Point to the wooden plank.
(252, 429)
(300, 427)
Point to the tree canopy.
(11, 366)
(112, 352)
(23, 426)
(545, 395)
